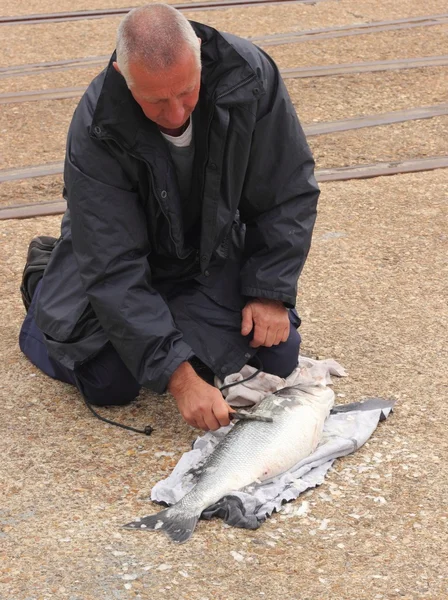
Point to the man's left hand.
(269, 320)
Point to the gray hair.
(154, 35)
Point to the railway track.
(292, 73)
(365, 67)
(265, 40)
(322, 175)
(57, 207)
(400, 116)
(326, 33)
(116, 12)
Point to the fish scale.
(252, 451)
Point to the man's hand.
(269, 319)
(200, 404)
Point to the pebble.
(237, 556)
(324, 524)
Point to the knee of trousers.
(106, 381)
(281, 360)
(116, 393)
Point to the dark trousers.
(105, 380)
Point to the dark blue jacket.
(122, 234)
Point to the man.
(191, 201)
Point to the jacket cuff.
(183, 353)
(288, 301)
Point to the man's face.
(168, 98)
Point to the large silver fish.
(252, 451)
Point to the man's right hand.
(200, 404)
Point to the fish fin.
(177, 526)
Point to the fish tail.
(176, 525)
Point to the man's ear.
(200, 41)
(115, 65)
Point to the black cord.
(148, 429)
(229, 385)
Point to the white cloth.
(249, 393)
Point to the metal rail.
(57, 65)
(417, 165)
(114, 12)
(326, 33)
(41, 95)
(293, 73)
(399, 116)
(39, 209)
(365, 67)
(53, 168)
(265, 40)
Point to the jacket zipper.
(245, 81)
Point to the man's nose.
(176, 111)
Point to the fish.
(251, 452)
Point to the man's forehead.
(174, 79)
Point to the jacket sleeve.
(279, 199)
(111, 247)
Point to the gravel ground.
(389, 45)
(27, 191)
(412, 139)
(34, 132)
(46, 81)
(372, 296)
(331, 98)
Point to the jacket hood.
(227, 78)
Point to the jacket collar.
(226, 79)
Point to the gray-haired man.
(191, 203)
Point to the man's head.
(158, 54)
